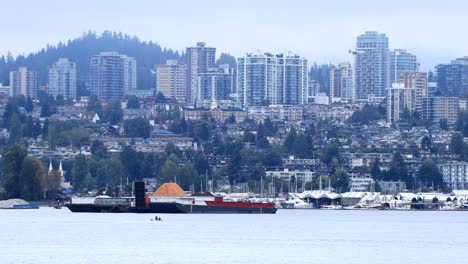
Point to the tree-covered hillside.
(80, 50)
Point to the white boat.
(332, 207)
(296, 203)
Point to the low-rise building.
(455, 174)
(361, 183)
(288, 175)
(282, 112)
(221, 115)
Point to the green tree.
(15, 129)
(329, 153)
(429, 174)
(202, 130)
(137, 127)
(79, 137)
(114, 112)
(53, 182)
(131, 161)
(98, 149)
(94, 105)
(12, 164)
(398, 171)
(457, 145)
(289, 142)
(375, 168)
(79, 172)
(340, 181)
(168, 172)
(29, 106)
(32, 179)
(186, 176)
(132, 102)
(115, 173)
(160, 98)
(443, 124)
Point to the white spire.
(60, 167)
(50, 165)
(320, 183)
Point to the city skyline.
(318, 31)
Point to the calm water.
(49, 235)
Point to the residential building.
(455, 175)
(23, 82)
(220, 115)
(171, 80)
(130, 75)
(276, 112)
(361, 183)
(199, 59)
(452, 78)
(418, 82)
(371, 65)
(4, 90)
(341, 80)
(400, 100)
(215, 84)
(291, 175)
(401, 61)
(267, 79)
(437, 108)
(62, 79)
(313, 88)
(112, 75)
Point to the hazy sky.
(321, 31)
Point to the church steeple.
(50, 165)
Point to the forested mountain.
(80, 50)
(321, 73)
(226, 58)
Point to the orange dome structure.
(169, 189)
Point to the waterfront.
(293, 236)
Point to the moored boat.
(99, 204)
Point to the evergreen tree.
(32, 179)
(79, 172)
(132, 102)
(12, 164)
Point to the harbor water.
(49, 235)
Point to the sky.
(321, 31)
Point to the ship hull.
(92, 208)
(177, 208)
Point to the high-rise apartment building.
(400, 99)
(341, 80)
(401, 61)
(371, 65)
(199, 59)
(23, 82)
(437, 108)
(130, 74)
(418, 82)
(214, 85)
(62, 79)
(171, 80)
(112, 75)
(452, 78)
(267, 79)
